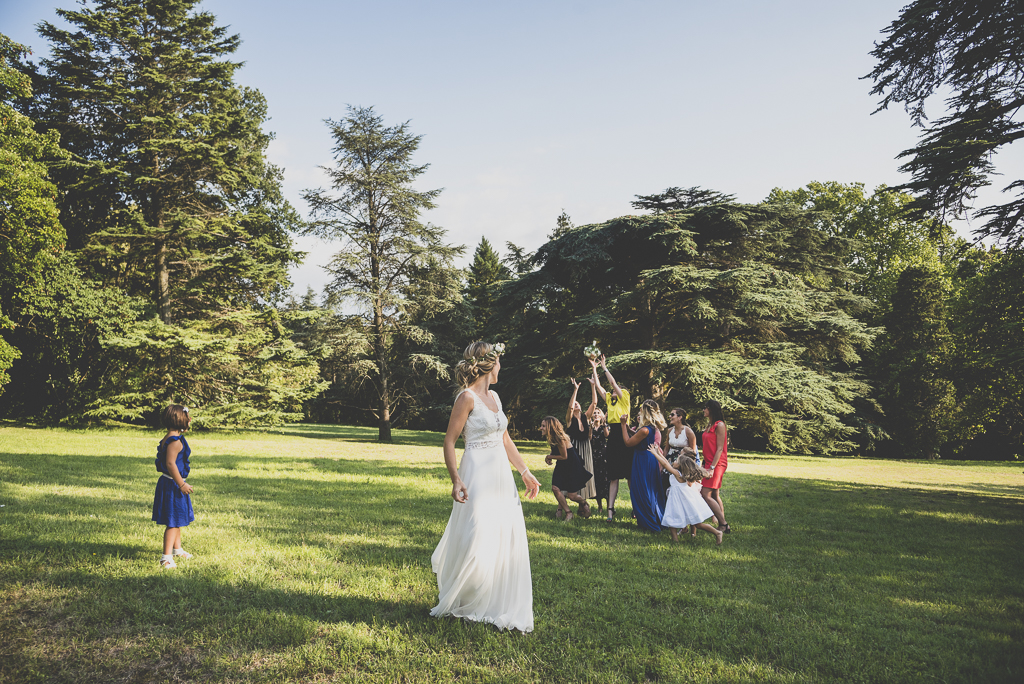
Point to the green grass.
(312, 564)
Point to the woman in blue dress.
(645, 487)
(172, 505)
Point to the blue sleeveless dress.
(645, 487)
(170, 506)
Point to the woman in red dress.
(716, 459)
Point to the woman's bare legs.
(710, 497)
(613, 491)
(711, 530)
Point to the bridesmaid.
(645, 486)
(618, 457)
(679, 435)
(569, 475)
(577, 426)
(716, 459)
(598, 444)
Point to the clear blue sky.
(528, 108)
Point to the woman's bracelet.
(523, 472)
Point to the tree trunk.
(384, 410)
(163, 283)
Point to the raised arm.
(638, 436)
(593, 400)
(595, 379)
(616, 390)
(656, 451)
(457, 421)
(575, 391)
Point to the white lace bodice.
(484, 428)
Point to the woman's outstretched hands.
(575, 385)
(603, 364)
(656, 450)
(460, 493)
(532, 484)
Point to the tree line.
(146, 245)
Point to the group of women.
(596, 450)
(482, 562)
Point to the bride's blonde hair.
(477, 360)
(650, 414)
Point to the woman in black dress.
(570, 475)
(598, 445)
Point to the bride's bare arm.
(460, 413)
(517, 461)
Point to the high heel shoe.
(611, 515)
(726, 528)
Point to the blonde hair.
(554, 427)
(688, 468)
(477, 360)
(650, 414)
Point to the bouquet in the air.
(591, 351)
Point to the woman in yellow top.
(618, 457)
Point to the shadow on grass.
(822, 579)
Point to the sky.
(530, 108)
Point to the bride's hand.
(459, 492)
(532, 485)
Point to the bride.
(482, 561)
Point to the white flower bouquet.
(591, 351)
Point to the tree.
(987, 326)
(485, 273)
(748, 304)
(885, 238)
(674, 199)
(30, 231)
(917, 396)
(169, 193)
(384, 246)
(972, 51)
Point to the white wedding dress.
(482, 561)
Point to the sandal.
(611, 515)
(726, 528)
(181, 553)
(584, 510)
(559, 513)
(568, 516)
(167, 564)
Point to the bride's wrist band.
(523, 471)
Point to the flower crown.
(496, 350)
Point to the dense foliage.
(392, 267)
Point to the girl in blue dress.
(645, 487)
(172, 505)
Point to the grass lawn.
(312, 563)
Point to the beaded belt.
(483, 445)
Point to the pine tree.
(375, 214)
(485, 273)
(169, 194)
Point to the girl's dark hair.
(715, 409)
(175, 417)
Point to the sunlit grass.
(312, 552)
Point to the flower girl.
(685, 505)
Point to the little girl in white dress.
(685, 506)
